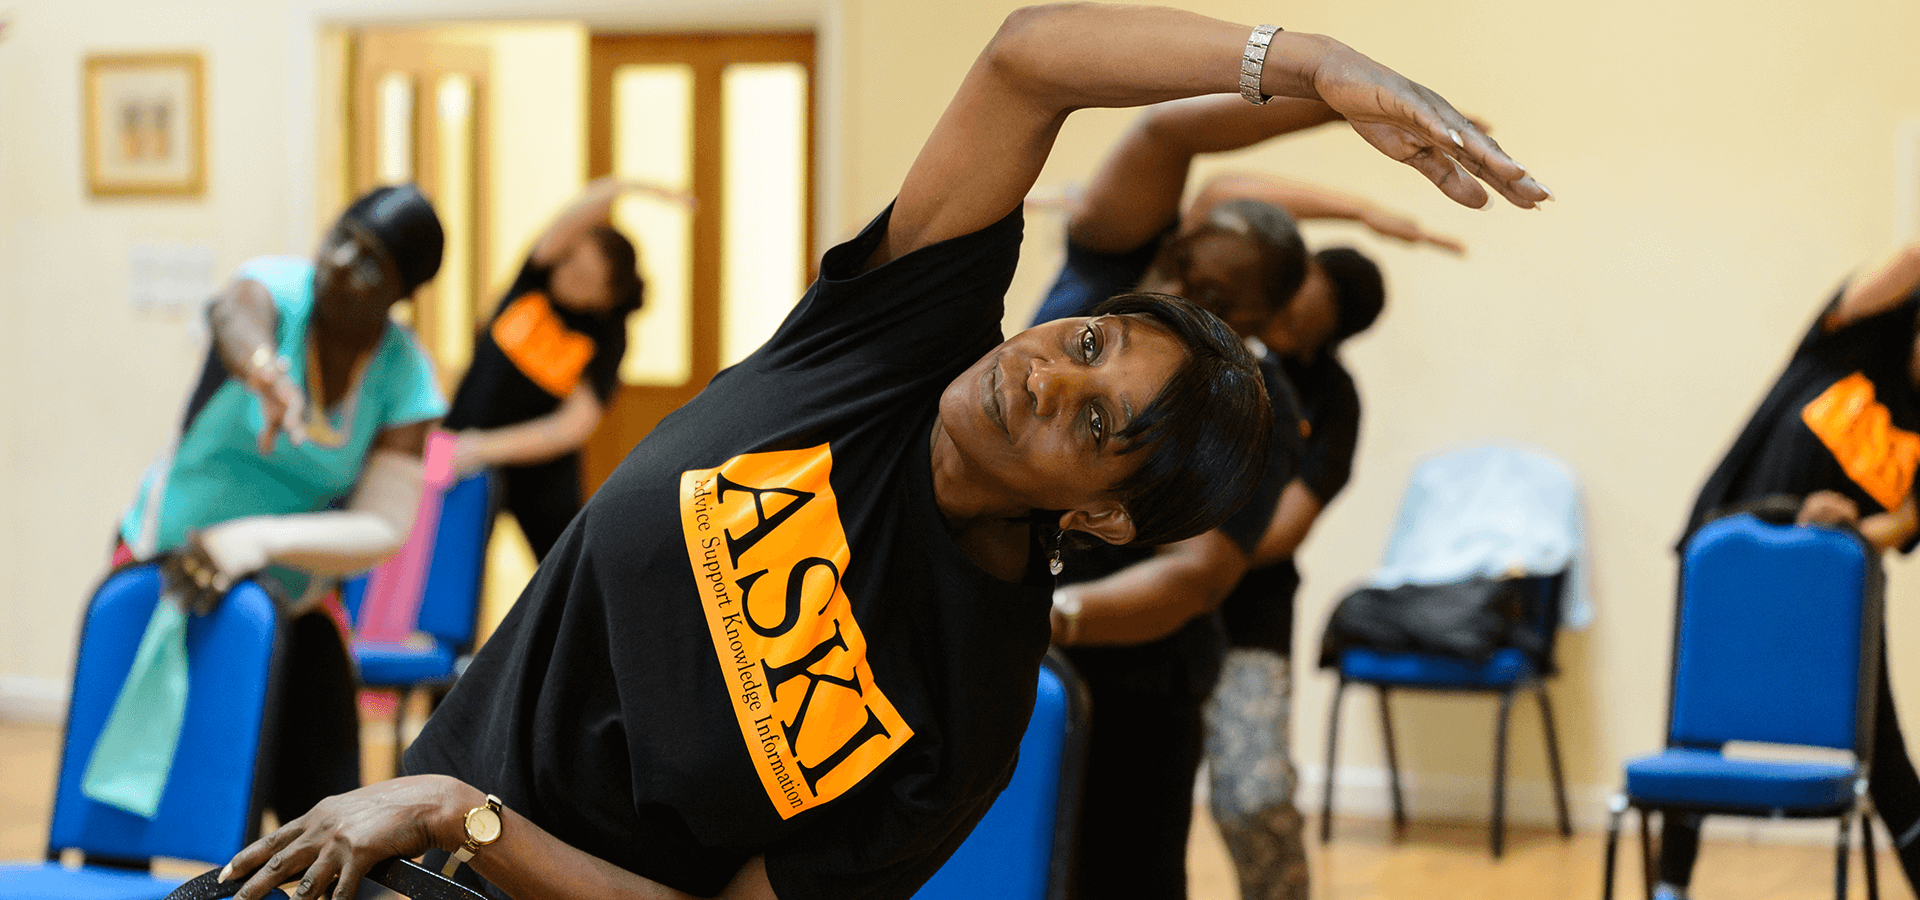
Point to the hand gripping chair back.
(214, 793)
(1776, 641)
(1023, 848)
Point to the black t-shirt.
(532, 354)
(1189, 659)
(1844, 417)
(1259, 612)
(758, 636)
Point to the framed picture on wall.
(146, 123)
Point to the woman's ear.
(1107, 520)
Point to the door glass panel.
(653, 144)
(393, 153)
(452, 320)
(764, 161)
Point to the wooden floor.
(1364, 862)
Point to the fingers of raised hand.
(1415, 150)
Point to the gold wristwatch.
(483, 828)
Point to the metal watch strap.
(469, 845)
(1253, 61)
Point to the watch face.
(483, 825)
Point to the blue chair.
(215, 792)
(449, 607)
(1776, 634)
(1023, 848)
(1507, 673)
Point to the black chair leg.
(1842, 848)
(1393, 765)
(1500, 773)
(1616, 808)
(1649, 864)
(1333, 735)
(1553, 760)
(1869, 852)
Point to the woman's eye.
(1096, 424)
(1089, 344)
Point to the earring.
(1054, 564)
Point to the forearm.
(535, 440)
(1878, 289)
(1891, 529)
(1293, 518)
(1300, 200)
(1155, 597)
(528, 863)
(593, 207)
(243, 321)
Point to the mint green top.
(216, 473)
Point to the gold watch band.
(482, 825)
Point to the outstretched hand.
(1410, 123)
(343, 836)
(283, 407)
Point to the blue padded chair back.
(450, 596)
(212, 800)
(1773, 622)
(1021, 849)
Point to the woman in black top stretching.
(789, 648)
(548, 363)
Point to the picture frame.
(146, 124)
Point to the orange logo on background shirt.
(541, 346)
(1859, 431)
(764, 537)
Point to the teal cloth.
(131, 760)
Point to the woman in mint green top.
(300, 455)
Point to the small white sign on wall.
(169, 278)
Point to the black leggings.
(543, 498)
(317, 721)
(1892, 784)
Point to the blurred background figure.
(548, 363)
(311, 398)
(1236, 252)
(1838, 435)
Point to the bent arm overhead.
(593, 207)
(1877, 290)
(1045, 62)
(1156, 596)
(1136, 194)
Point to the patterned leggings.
(1251, 774)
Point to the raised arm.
(1877, 289)
(1151, 598)
(1046, 62)
(1311, 201)
(593, 207)
(1136, 194)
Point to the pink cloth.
(392, 605)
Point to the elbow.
(1018, 53)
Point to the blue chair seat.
(1686, 777)
(1507, 666)
(384, 664)
(52, 881)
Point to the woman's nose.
(1052, 385)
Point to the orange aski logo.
(768, 551)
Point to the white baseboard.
(1362, 792)
(25, 699)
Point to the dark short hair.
(1206, 435)
(1359, 291)
(624, 284)
(1283, 253)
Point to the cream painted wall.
(1717, 174)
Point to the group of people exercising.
(788, 649)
